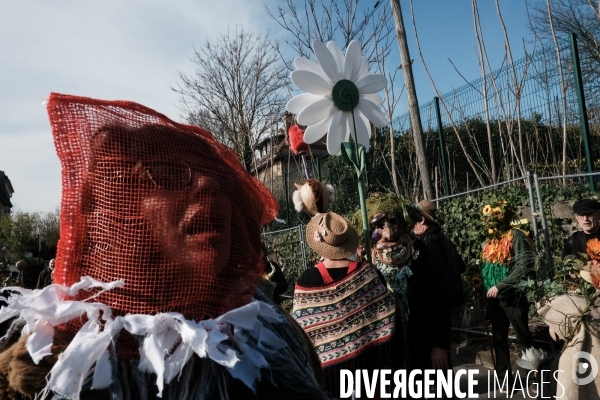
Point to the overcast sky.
(132, 50)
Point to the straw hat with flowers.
(331, 236)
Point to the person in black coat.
(452, 265)
(587, 214)
(45, 278)
(415, 276)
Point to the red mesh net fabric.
(159, 204)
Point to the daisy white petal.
(300, 102)
(374, 97)
(315, 112)
(370, 110)
(326, 60)
(363, 129)
(371, 84)
(303, 63)
(311, 82)
(349, 129)
(353, 61)
(364, 69)
(337, 132)
(338, 55)
(317, 131)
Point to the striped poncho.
(347, 317)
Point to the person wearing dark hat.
(587, 214)
(452, 265)
(329, 304)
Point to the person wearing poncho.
(329, 304)
(507, 257)
(156, 278)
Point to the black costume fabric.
(503, 314)
(450, 263)
(30, 276)
(577, 243)
(275, 275)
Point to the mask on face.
(393, 244)
(158, 204)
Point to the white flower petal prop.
(531, 358)
(169, 340)
(311, 82)
(336, 87)
(338, 55)
(299, 103)
(326, 60)
(353, 61)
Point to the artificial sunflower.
(487, 209)
(476, 282)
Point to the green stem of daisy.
(361, 193)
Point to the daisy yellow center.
(345, 95)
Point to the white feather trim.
(218, 339)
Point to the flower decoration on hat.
(337, 87)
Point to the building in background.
(279, 168)
(6, 191)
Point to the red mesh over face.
(159, 204)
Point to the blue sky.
(132, 50)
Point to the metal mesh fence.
(518, 118)
(522, 116)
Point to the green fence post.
(582, 109)
(442, 144)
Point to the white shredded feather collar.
(44, 309)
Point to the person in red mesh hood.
(173, 209)
(156, 271)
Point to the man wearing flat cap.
(587, 214)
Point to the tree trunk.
(413, 104)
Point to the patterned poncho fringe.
(347, 317)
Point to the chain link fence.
(521, 117)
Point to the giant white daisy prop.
(337, 87)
